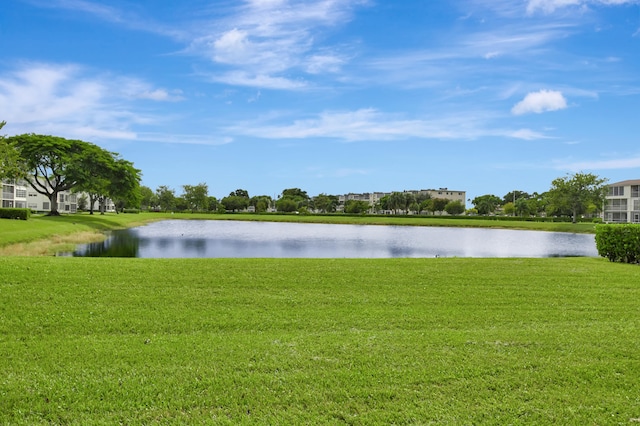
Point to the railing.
(7, 195)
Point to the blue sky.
(333, 96)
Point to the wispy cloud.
(550, 6)
(369, 124)
(263, 42)
(123, 17)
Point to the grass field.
(306, 341)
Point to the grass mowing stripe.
(359, 341)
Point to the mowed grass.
(319, 341)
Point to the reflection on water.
(190, 239)
(119, 244)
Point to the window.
(617, 205)
(61, 198)
(7, 192)
(7, 203)
(636, 204)
(616, 191)
(33, 206)
(616, 217)
(21, 193)
(635, 191)
(45, 206)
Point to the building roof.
(626, 182)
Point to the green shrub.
(619, 243)
(7, 213)
(130, 211)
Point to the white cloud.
(68, 101)
(527, 134)
(538, 102)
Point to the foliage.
(486, 204)
(52, 164)
(619, 242)
(261, 203)
(11, 167)
(364, 341)
(166, 198)
(196, 197)
(214, 204)
(12, 213)
(399, 201)
(235, 202)
(356, 207)
(514, 196)
(576, 193)
(286, 205)
(295, 192)
(454, 208)
(148, 198)
(439, 204)
(509, 208)
(325, 203)
(290, 197)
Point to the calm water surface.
(214, 238)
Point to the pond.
(235, 239)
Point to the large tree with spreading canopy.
(53, 164)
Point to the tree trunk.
(53, 199)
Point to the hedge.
(10, 213)
(619, 243)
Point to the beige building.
(623, 202)
(374, 197)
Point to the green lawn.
(308, 341)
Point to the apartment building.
(623, 202)
(19, 194)
(374, 197)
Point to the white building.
(19, 194)
(623, 202)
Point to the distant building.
(623, 202)
(374, 197)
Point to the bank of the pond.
(44, 235)
(309, 341)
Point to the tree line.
(570, 196)
(195, 198)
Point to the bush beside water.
(619, 243)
